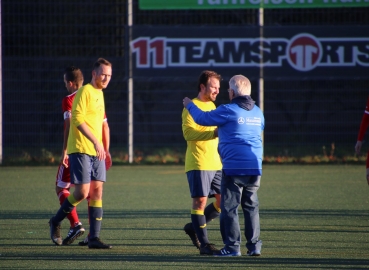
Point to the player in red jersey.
(363, 127)
(73, 79)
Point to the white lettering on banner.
(303, 52)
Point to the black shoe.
(208, 249)
(192, 234)
(97, 243)
(73, 234)
(84, 242)
(55, 233)
(253, 252)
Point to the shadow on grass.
(234, 262)
(134, 214)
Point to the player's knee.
(199, 203)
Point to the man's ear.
(202, 87)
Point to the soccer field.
(312, 217)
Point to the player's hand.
(358, 147)
(186, 101)
(108, 161)
(100, 151)
(65, 159)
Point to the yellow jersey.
(202, 146)
(88, 107)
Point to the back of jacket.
(239, 130)
(240, 143)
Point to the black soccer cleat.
(73, 234)
(192, 234)
(84, 242)
(97, 243)
(55, 233)
(208, 249)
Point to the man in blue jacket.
(240, 125)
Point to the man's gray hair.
(240, 85)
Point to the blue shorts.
(84, 168)
(204, 183)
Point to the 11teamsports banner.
(281, 52)
(236, 4)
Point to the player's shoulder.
(68, 100)
(71, 96)
(86, 89)
(203, 105)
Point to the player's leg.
(81, 179)
(200, 184)
(212, 211)
(250, 207)
(198, 219)
(95, 209)
(76, 230)
(84, 242)
(62, 191)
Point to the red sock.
(72, 216)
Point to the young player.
(73, 79)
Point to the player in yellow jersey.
(87, 154)
(203, 165)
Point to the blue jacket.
(240, 125)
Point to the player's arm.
(217, 117)
(106, 143)
(100, 152)
(64, 157)
(67, 109)
(191, 132)
(363, 127)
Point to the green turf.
(312, 217)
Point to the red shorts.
(63, 177)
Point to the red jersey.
(364, 123)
